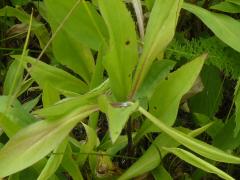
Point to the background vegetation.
(119, 89)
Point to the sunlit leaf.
(224, 27)
(195, 145)
(121, 56)
(167, 96)
(54, 161)
(160, 31)
(58, 78)
(34, 142)
(148, 162)
(71, 53)
(83, 23)
(226, 7)
(198, 162)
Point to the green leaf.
(71, 53)
(29, 105)
(13, 118)
(167, 96)
(14, 73)
(82, 14)
(195, 145)
(49, 95)
(226, 7)
(59, 79)
(19, 2)
(198, 162)
(237, 111)
(66, 105)
(70, 165)
(148, 162)
(160, 173)
(160, 31)
(38, 28)
(117, 116)
(214, 129)
(234, 2)
(54, 161)
(224, 27)
(34, 142)
(88, 147)
(121, 56)
(208, 101)
(157, 73)
(226, 135)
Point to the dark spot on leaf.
(166, 78)
(155, 108)
(11, 106)
(127, 42)
(129, 75)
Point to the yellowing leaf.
(34, 142)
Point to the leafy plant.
(101, 69)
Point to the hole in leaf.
(127, 42)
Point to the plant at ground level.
(104, 69)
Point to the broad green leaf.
(34, 142)
(237, 111)
(88, 147)
(202, 120)
(198, 162)
(58, 78)
(234, 2)
(226, 7)
(97, 79)
(54, 161)
(70, 165)
(167, 96)
(149, 3)
(49, 95)
(83, 22)
(208, 101)
(38, 28)
(19, 2)
(121, 56)
(226, 135)
(157, 72)
(195, 145)
(224, 27)
(116, 116)
(71, 53)
(14, 73)
(29, 105)
(148, 162)
(66, 105)
(160, 173)
(160, 31)
(13, 118)
(113, 149)
(40, 6)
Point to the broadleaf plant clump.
(115, 89)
